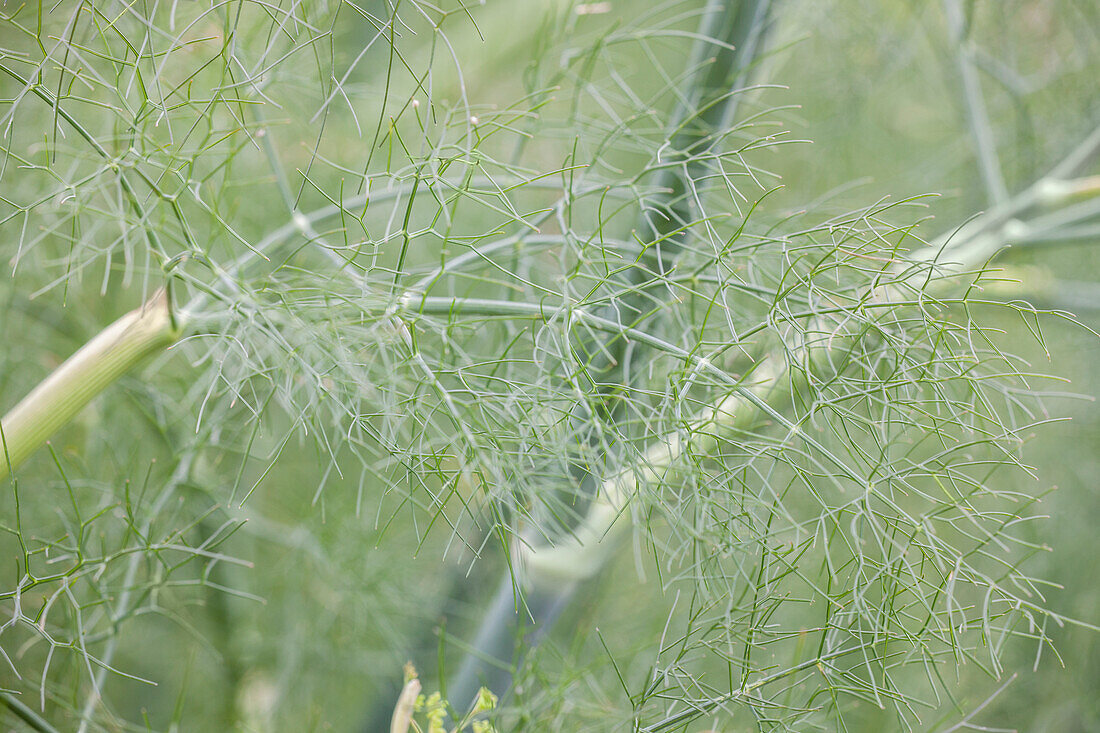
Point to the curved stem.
(139, 334)
(707, 103)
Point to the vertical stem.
(505, 633)
(977, 116)
(711, 103)
(708, 106)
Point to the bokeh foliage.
(390, 225)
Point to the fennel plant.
(470, 317)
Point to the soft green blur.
(324, 584)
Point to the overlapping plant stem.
(550, 570)
(954, 261)
(729, 38)
(558, 381)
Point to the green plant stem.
(273, 245)
(405, 707)
(20, 710)
(128, 341)
(697, 126)
(979, 239)
(736, 30)
(583, 553)
(505, 631)
(981, 131)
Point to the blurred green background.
(329, 599)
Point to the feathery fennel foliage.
(500, 303)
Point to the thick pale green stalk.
(113, 352)
(730, 32)
(584, 551)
